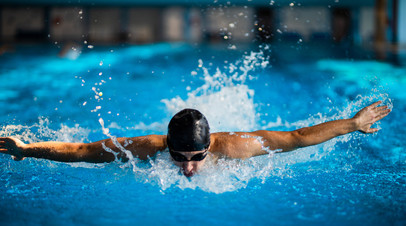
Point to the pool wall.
(211, 21)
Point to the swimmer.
(189, 141)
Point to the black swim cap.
(188, 130)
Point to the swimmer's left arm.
(288, 141)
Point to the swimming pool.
(134, 90)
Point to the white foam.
(224, 98)
(231, 108)
(41, 131)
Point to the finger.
(382, 115)
(375, 104)
(3, 149)
(372, 130)
(383, 112)
(382, 108)
(387, 111)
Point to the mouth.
(188, 174)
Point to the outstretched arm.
(244, 145)
(362, 121)
(81, 152)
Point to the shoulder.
(153, 140)
(158, 140)
(144, 146)
(248, 144)
(236, 144)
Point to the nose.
(187, 169)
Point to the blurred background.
(378, 25)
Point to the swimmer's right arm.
(262, 142)
(95, 152)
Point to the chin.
(189, 174)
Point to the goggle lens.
(181, 158)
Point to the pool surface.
(115, 91)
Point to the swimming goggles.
(181, 158)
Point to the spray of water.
(224, 98)
(41, 131)
(228, 103)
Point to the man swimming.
(189, 141)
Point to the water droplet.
(232, 47)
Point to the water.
(116, 91)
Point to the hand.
(13, 147)
(369, 115)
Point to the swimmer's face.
(189, 162)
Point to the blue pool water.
(134, 90)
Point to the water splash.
(41, 131)
(224, 98)
(132, 161)
(228, 103)
(220, 176)
(335, 112)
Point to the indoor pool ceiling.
(189, 2)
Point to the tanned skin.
(240, 145)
